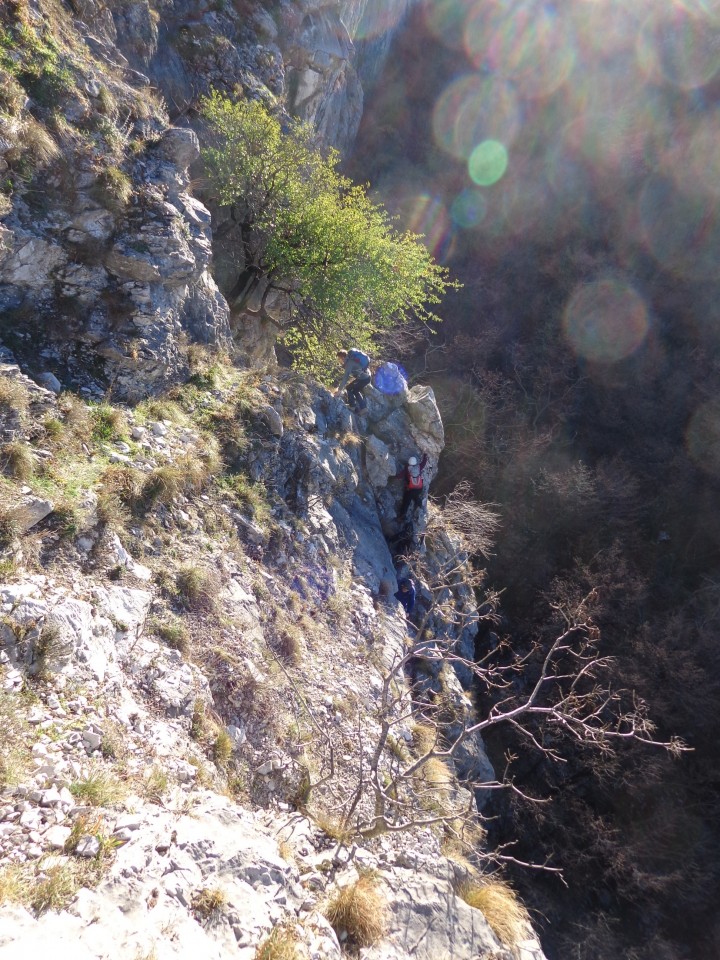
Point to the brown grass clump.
(208, 901)
(499, 904)
(197, 588)
(425, 737)
(437, 775)
(14, 397)
(17, 461)
(76, 414)
(282, 944)
(37, 144)
(358, 911)
(187, 476)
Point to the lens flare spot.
(429, 218)
(526, 41)
(445, 19)
(487, 163)
(682, 231)
(377, 20)
(468, 209)
(702, 437)
(694, 160)
(474, 108)
(606, 320)
(677, 47)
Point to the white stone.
(87, 846)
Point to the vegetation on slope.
(310, 235)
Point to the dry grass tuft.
(425, 737)
(15, 742)
(17, 461)
(37, 144)
(14, 396)
(198, 588)
(501, 907)
(41, 888)
(333, 826)
(282, 944)
(358, 911)
(437, 775)
(99, 788)
(208, 901)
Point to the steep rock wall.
(189, 679)
(105, 254)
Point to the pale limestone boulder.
(379, 462)
(29, 512)
(32, 263)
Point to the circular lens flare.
(487, 163)
(468, 209)
(475, 108)
(606, 320)
(677, 47)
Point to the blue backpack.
(362, 358)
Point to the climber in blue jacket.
(356, 364)
(406, 595)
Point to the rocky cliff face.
(198, 631)
(193, 661)
(105, 249)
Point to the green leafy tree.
(312, 237)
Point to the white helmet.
(413, 461)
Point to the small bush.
(499, 904)
(197, 587)
(77, 415)
(358, 911)
(54, 428)
(17, 461)
(49, 646)
(67, 517)
(281, 944)
(9, 527)
(289, 646)
(119, 489)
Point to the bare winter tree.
(424, 727)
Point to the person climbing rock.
(356, 365)
(406, 595)
(414, 484)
